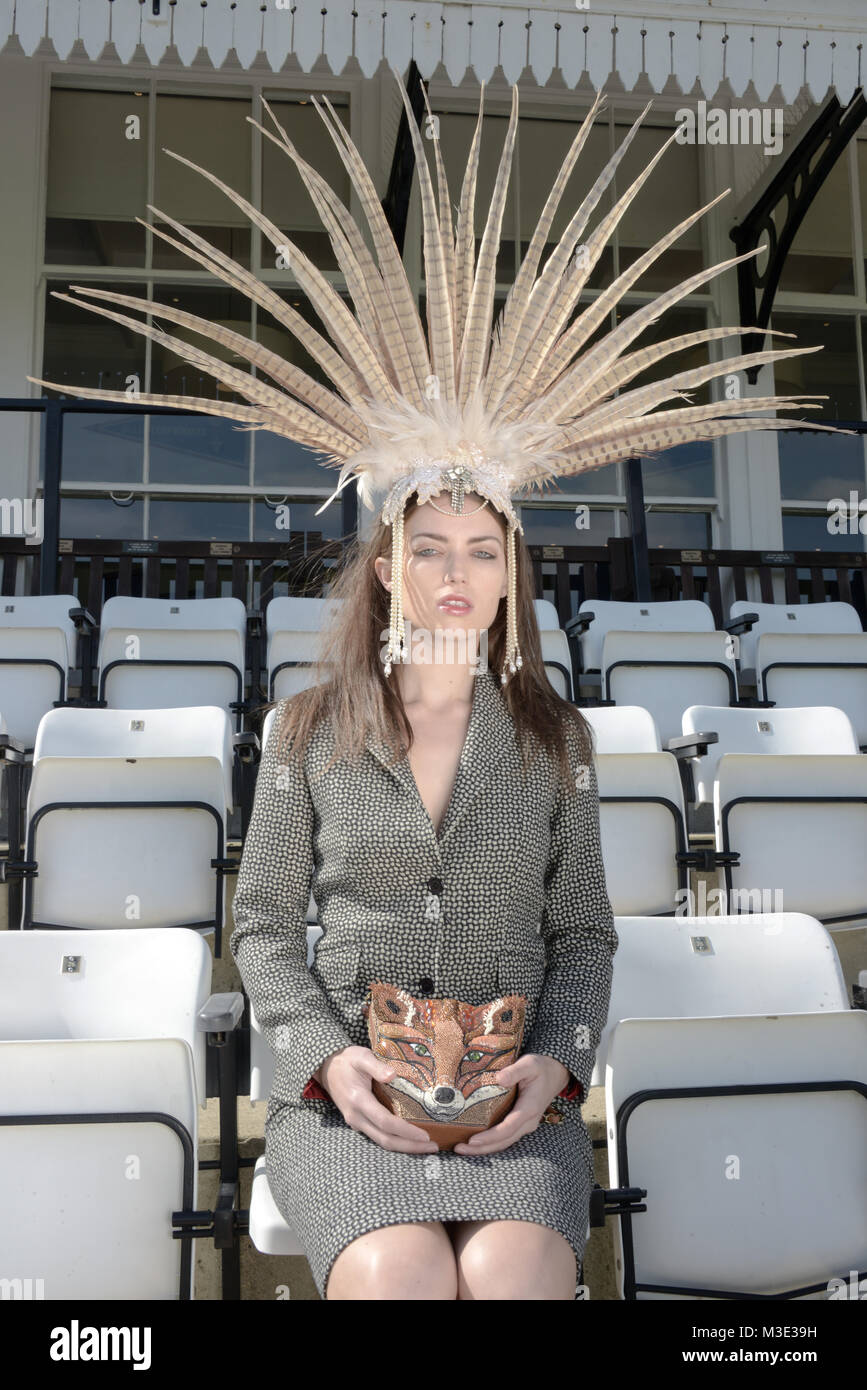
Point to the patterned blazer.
(509, 896)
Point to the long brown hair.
(352, 690)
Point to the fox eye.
(420, 1050)
(473, 1056)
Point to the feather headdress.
(454, 408)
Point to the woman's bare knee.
(514, 1260)
(409, 1260)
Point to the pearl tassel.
(513, 659)
(396, 648)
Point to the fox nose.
(443, 1095)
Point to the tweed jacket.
(508, 897)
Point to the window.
(202, 477)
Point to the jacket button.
(426, 984)
(435, 885)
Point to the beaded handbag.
(446, 1055)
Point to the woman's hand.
(348, 1077)
(539, 1079)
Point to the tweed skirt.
(331, 1183)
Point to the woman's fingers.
(521, 1119)
(383, 1123)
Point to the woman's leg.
(513, 1260)
(409, 1260)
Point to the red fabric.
(570, 1091)
(313, 1091)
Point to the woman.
(435, 876)
(451, 907)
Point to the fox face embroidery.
(446, 1055)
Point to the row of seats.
(157, 653)
(667, 656)
(732, 1063)
(131, 809)
(784, 792)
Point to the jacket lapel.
(490, 734)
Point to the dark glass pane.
(103, 448)
(91, 241)
(669, 196)
(315, 245)
(678, 530)
(601, 275)
(97, 177)
(232, 241)
(820, 258)
(275, 523)
(99, 518)
(173, 374)
(282, 465)
(212, 132)
(811, 533)
(560, 526)
(198, 519)
(280, 462)
(676, 263)
(82, 348)
(832, 371)
(673, 324)
(685, 471)
(592, 483)
(199, 449)
(815, 466)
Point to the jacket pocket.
(337, 965)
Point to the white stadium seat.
(38, 645)
(662, 656)
(765, 733)
(102, 1073)
(293, 626)
(555, 648)
(641, 812)
(157, 653)
(126, 811)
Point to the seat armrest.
(83, 619)
(11, 749)
(221, 1013)
(744, 623)
(578, 624)
(691, 745)
(247, 747)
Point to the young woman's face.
(451, 555)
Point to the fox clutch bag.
(445, 1055)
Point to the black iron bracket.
(796, 184)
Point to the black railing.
(304, 564)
